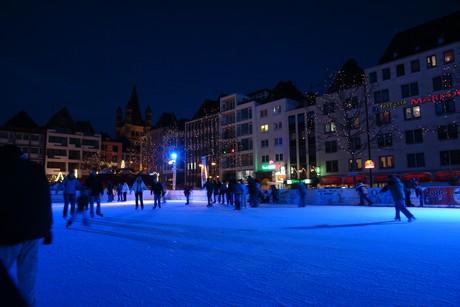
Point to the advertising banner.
(445, 196)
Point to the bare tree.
(344, 114)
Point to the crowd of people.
(237, 193)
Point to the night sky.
(87, 55)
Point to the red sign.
(446, 196)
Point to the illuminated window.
(383, 118)
(386, 162)
(353, 123)
(412, 113)
(276, 110)
(416, 160)
(431, 61)
(448, 56)
(264, 128)
(330, 127)
(359, 165)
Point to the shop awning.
(446, 176)
(349, 179)
(425, 177)
(381, 178)
(330, 180)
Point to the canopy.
(380, 178)
(349, 179)
(330, 180)
(446, 176)
(425, 177)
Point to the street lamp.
(173, 163)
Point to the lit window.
(386, 162)
(264, 128)
(383, 118)
(431, 61)
(277, 110)
(412, 113)
(330, 127)
(359, 165)
(448, 56)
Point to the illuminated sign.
(420, 100)
(270, 166)
(369, 164)
(294, 181)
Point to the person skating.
(187, 192)
(396, 189)
(93, 182)
(157, 191)
(363, 194)
(138, 188)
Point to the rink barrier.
(432, 196)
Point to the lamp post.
(173, 163)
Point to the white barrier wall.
(433, 196)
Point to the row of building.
(398, 117)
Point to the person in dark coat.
(396, 189)
(25, 217)
(187, 192)
(93, 182)
(157, 191)
(209, 190)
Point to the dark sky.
(87, 55)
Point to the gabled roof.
(166, 120)
(436, 33)
(21, 120)
(208, 107)
(61, 120)
(85, 126)
(349, 76)
(133, 105)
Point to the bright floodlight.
(174, 156)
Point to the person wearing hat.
(396, 189)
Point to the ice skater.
(396, 189)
